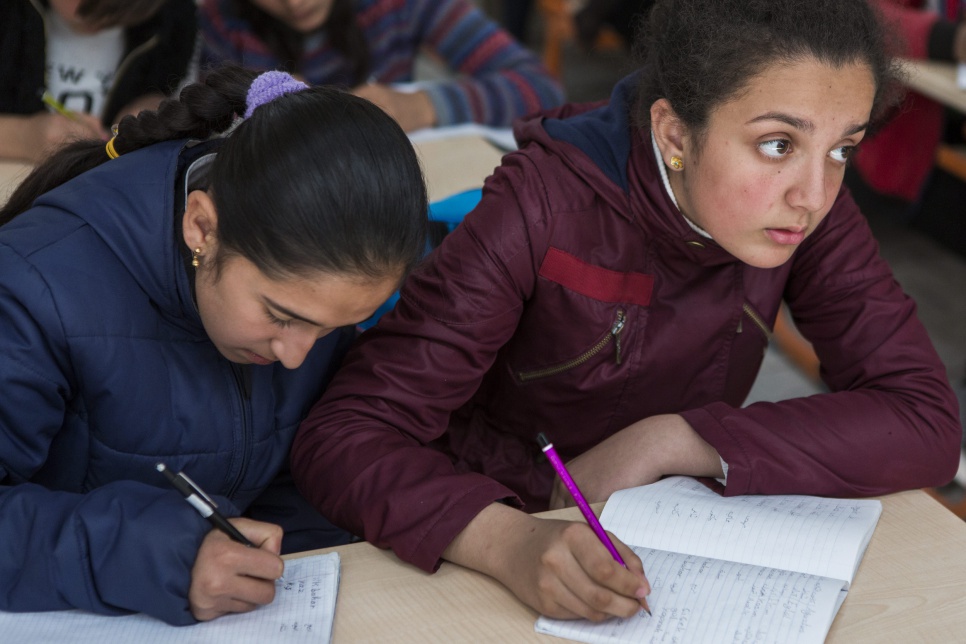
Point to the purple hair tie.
(269, 86)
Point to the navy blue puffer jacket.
(105, 369)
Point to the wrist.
(20, 137)
(682, 450)
(425, 109)
(485, 541)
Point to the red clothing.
(576, 246)
(898, 158)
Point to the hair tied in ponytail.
(269, 86)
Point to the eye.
(776, 148)
(842, 153)
(277, 321)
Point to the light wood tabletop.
(937, 80)
(911, 586)
(11, 174)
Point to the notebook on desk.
(738, 569)
(303, 611)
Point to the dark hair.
(341, 29)
(118, 13)
(699, 54)
(317, 180)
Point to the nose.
(811, 187)
(293, 345)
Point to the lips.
(257, 359)
(786, 236)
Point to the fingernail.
(642, 592)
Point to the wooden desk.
(937, 80)
(11, 174)
(452, 165)
(911, 586)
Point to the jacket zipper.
(150, 43)
(613, 334)
(754, 317)
(244, 388)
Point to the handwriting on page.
(736, 603)
(800, 533)
(303, 611)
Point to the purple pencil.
(585, 509)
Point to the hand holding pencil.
(238, 560)
(585, 508)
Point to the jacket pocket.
(613, 335)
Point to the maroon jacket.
(576, 300)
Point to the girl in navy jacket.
(184, 300)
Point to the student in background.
(97, 59)
(370, 45)
(184, 302)
(615, 288)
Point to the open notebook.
(739, 569)
(303, 611)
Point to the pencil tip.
(160, 467)
(645, 607)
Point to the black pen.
(203, 504)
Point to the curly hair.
(698, 54)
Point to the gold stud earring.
(194, 258)
(677, 163)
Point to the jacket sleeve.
(499, 79)
(362, 455)
(890, 422)
(121, 547)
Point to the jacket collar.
(132, 203)
(599, 143)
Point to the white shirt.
(81, 67)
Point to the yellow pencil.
(58, 106)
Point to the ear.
(670, 132)
(200, 222)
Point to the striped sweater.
(495, 78)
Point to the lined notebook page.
(695, 599)
(819, 536)
(303, 611)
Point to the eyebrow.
(292, 314)
(803, 124)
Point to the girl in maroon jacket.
(616, 289)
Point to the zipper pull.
(616, 332)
